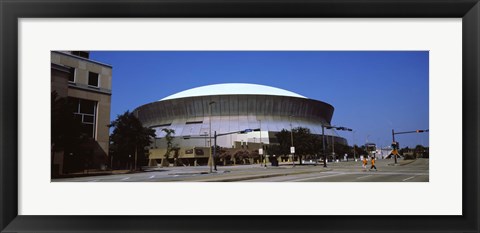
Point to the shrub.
(409, 157)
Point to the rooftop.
(233, 89)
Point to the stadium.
(219, 109)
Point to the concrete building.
(232, 107)
(88, 86)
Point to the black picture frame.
(11, 11)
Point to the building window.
(81, 54)
(85, 112)
(92, 79)
(71, 77)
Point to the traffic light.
(421, 130)
(248, 130)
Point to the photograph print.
(239, 116)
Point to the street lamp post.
(291, 139)
(262, 160)
(393, 141)
(354, 153)
(333, 145)
(323, 136)
(213, 155)
(210, 134)
(323, 145)
(214, 151)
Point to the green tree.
(304, 143)
(342, 149)
(275, 149)
(419, 151)
(404, 150)
(129, 138)
(284, 142)
(359, 151)
(170, 148)
(66, 133)
(307, 145)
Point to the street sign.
(292, 150)
(260, 151)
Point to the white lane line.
(364, 177)
(151, 177)
(318, 177)
(126, 178)
(383, 173)
(409, 178)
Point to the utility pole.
(323, 144)
(354, 155)
(210, 135)
(394, 149)
(263, 161)
(323, 136)
(215, 151)
(291, 138)
(333, 145)
(406, 132)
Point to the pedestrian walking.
(364, 163)
(373, 164)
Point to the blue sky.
(372, 92)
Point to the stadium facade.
(196, 113)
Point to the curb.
(66, 176)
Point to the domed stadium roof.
(233, 89)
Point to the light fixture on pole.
(292, 148)
(210, 134)
(323, 135)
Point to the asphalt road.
(416, 171)
(407, 171)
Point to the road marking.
(364, 177)
(409, 178)
(93, 181)
(151, 177)
(381, 173)
(126, 178)
(318, 177)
